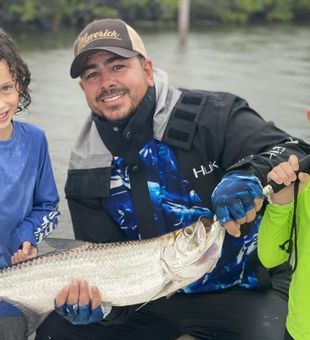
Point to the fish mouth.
(203, 243)
(211, 251)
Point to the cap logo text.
(88, 38)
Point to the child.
(275, 230)
(28, 194)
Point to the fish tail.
(32, 319)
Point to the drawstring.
(290, 245)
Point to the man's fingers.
(250, 215)
(241, 220)
(258, 202)
(74, 301)
(61, 298)
(96, 298)
(77, 292)
(74, 292)
(84, 296)
(233, 228)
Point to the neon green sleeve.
(274, 230)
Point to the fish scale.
(126, 273)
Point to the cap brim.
(78, 63)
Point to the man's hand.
(79, 303)
(284, 173)
(28, 251)
(236, 199)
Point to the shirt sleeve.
(274, 230)
(255, 146)
(43, 218)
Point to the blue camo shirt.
(175, 206)
(28, 193)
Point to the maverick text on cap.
(112, 35)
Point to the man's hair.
(18, 69)
(141, 58)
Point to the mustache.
(111, 92)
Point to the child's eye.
(7, 89)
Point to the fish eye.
(188, 231)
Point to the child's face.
(9, 98)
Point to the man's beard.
(125, 115)
(113, 108)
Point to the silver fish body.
(126, 273)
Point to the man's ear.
(148, 69)
(81, 85)
(308, 115)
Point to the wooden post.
(183, 20)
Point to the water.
(268, 66)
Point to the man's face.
(114, 86)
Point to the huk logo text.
(205, 170)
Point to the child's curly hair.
(18, 68)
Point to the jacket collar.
(90, 151)
(135, 131)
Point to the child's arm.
(277, 220)
(274, 230)
(43, 218)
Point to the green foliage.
(104, 12)
(281, 11)
(58, 13)
(24, 12)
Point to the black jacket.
(209, 132)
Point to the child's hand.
(284, 173)
(27, 252)
(304, 179)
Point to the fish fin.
(172, 293)
(32, 319)
(158, 295)
(144, 304)
(60, 244)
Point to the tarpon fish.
(126, 273)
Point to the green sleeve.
(274, 230)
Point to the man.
(146, 162)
